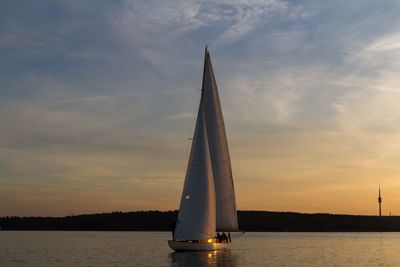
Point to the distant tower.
(380, 201)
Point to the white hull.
(194, 246)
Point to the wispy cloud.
(161, 26)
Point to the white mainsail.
(197, 216)
(208, 198)
(219, 152)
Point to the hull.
(194, 246)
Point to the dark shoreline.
(249, 221)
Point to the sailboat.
(208, 199)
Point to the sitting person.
(224, 239)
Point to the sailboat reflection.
(203, 258)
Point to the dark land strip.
(249, 221)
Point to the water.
(28, 248)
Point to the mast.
(219, 151)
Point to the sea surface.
(48, 248)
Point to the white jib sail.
(219, 152)
(197, 215)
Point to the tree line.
(257, 221)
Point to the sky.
(98, 100)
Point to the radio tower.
(380, 201)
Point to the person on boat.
(218, 238)
(172, 226)
(224, 238)
(229, 237)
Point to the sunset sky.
(98, 100)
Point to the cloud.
(386, 43)
(154, 24)
(372, 103)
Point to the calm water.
(150, 249)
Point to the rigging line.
(196, 101)
(195, 106)
(189, 135)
